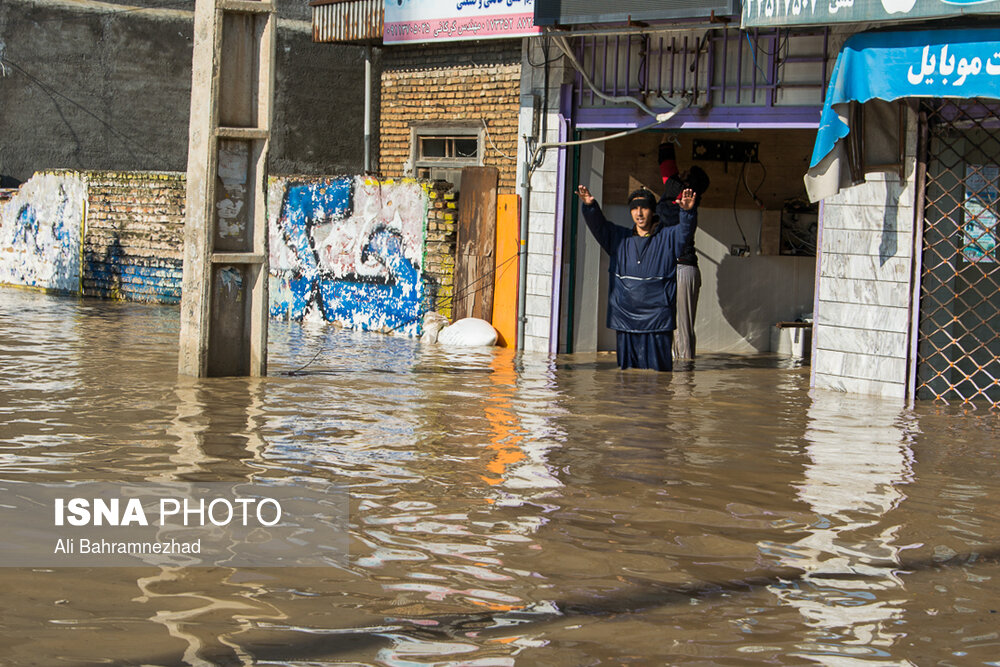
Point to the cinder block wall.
(471, 82)
(107, 87)
(134, 236)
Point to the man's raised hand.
(687, 199)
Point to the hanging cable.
(537, 151)
(495, 147)
(53, 94)
(614, 99)
(736, 217)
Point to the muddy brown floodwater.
(505, 510)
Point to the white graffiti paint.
(234, 157)
(40, 232)
(279, 256)
(348, 249)
(398, 207)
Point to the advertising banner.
(416, 21)
(761, 13)
(919, 63)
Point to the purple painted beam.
(732, 118)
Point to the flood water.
(505, 510)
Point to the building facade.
(881, 234)
(742, 106)
(864, 215)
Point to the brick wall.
(134, 236)
(458, 83)
(439, 249)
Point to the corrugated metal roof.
(347, 20)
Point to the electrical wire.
(755, 198)
(537, 151)
(783, 38)
(783, 44)
(53, 93)
(490, 138)
(546, 60)
(614, 99)
(753, 193)
(753, 53)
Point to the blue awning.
(892, 65)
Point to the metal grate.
(731, 67)
(958, 349)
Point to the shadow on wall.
(755, 293)
(105, 269)
(348, 250)
(889, 243)
(743, 301)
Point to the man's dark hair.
(642, 197)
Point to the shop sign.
(421, 21)
(760, 13)
(919, 63)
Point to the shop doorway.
(958, 348)
(756, 238)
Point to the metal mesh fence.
(958, 345)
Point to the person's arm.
(687, 220)
(666, 208)
(602, 229)
(667, 211)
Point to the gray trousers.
(688, 286)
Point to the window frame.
(451, 131)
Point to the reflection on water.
(859, 458)
(504, 510)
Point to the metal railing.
(724, 67)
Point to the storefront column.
(862, 324)
(539, 187)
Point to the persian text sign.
(918, 63)
(758, 13)
(411, 21)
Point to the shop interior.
(756, 237)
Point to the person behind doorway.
(688, 273)
(642, 275)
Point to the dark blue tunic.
(642, 289)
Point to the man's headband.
(643, 199)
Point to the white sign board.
(414, 21)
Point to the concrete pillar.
(224, 300)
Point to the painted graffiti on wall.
(348, 250)
(40, 233)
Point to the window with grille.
(958, 348)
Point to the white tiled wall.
(544, 182)
(863, 314)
